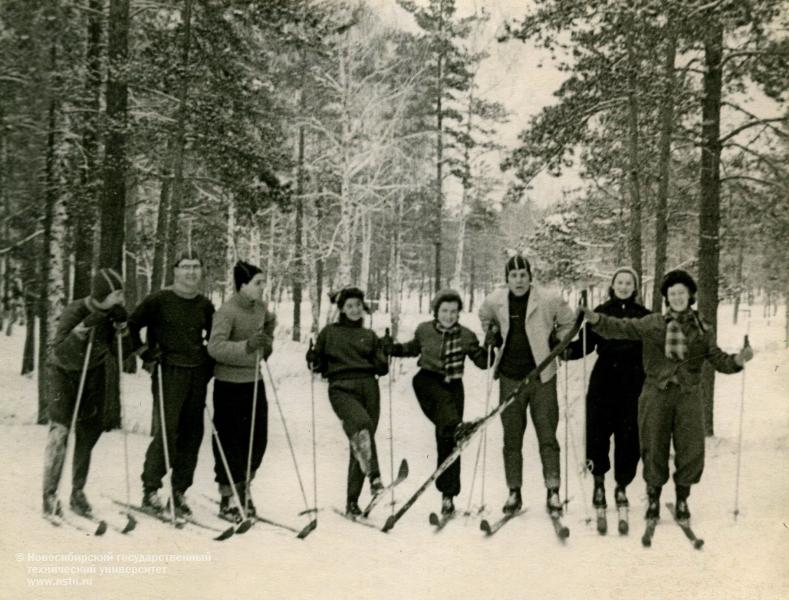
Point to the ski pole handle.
(583, 301)
(745, 342)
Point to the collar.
(346, 322)
(441, 329)
(243, 301)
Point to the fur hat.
(445, 295)
(104, 282)
(515, 262)
(243, 272)
(350, 292)
(679, 276)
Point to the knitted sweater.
(347, 350)
(233, 324)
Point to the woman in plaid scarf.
(675, 346)
(442, 346)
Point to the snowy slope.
(743, 559)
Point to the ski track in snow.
(744, 559)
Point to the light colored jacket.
(546, 310)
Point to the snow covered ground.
(744, 559)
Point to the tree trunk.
(709, 211)
(84, 229)
(633, 157)
(439, 202)
(51, 301)
(114, 199)
(160, 239)
(130, 267)
(300, 266)
(367, 232)
(29, 352)
(472, 283)
(230, 247)
(666, 131)
(176, 201)
(395, 268)
(271, 254)
(739, 285)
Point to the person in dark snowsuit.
(350, 357)
(93, 321)
(614, 387)
(670, 408)
(442, 345)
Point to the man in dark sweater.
(520, 319)
(88, 322)
(178, 321)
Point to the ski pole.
(287, 437)
(488, 392)
(163, 424)
(566, 436)
(481, 446)
(248, 482)
(391, 425)
(314, 438)
(746, 344)
(131, 522)
(246, 523)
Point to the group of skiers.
(643, 389)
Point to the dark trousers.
(184, 402)
(232, 419)
(612, 410)
(64, 385)
(540, 399)
(442, 402)
(676, 413)
(357, 402)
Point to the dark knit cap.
(188, 255)
(517, 262)
(243, 272)
(445, 295)
(679, 276)
(349, 292)
(104, 282)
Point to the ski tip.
(101, 529)
(244, 526)
(402, 473)
(311, 526)
(227, 533)
(131, 524)
(434, 520)
(390, 523)
(484, 526)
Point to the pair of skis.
(646, 539)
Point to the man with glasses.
(177, 321)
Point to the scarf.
(452, 354)
(676, 341)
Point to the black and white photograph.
(394, 299)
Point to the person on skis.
(177, 320)
(92, 322)
(614, 387)
(242, 329)
(442, 345)
(350, 356)
(675, 346)
(520, 320)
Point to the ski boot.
(447, 505)
(352, 509)
(553, 503)
(228, 511)
(514, 502)
(653, 503)
(52, 506)
(79, 504)
(151, 501)
(181, 507)
(376, 485)
(598, 496)
(682, 512)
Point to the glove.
(118, 315)
(312, 359)
(150, 357)
(744, 355)
(258, 340)
(491, 337)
